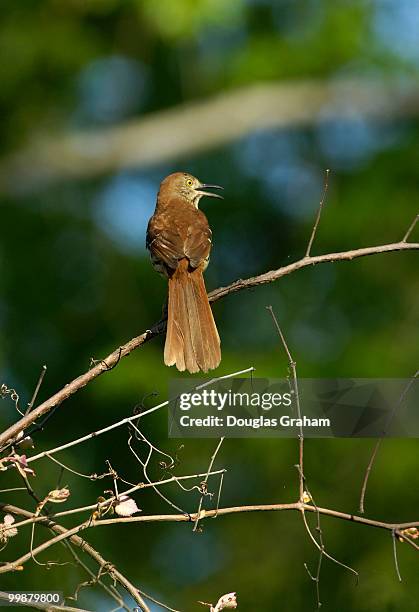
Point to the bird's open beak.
(209, 193)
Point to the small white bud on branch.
(6, 530)
(126, 506)
(226, 602)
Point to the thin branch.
(38, 386)
(156, 601)
(316, 578)
(182, 518)
(204, 484)
(411, 228)
(378, 443)
(319, 213)
(321, 547)
(69, 469)
(292, 366)
(396, 562)
(168, 518)
(274, 275)
(219, 494)
(115, 357)
(367, 475)
(95, 434)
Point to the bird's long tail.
(192, 340)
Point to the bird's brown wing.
(165, 242)
(198, 242)
(171, 237)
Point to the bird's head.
(186, 186)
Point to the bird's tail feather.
(192, 340)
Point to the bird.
(179, 239)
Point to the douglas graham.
(284, 421)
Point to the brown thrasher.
(179, 241)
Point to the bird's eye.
(189, 182)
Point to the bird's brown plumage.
(179, 241)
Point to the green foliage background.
(76, 282)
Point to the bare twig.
(411, 228)
(367, 475)
(396, 562)
(321, 547)
(69, 469)
(319, 212)
(182, 518)
(204, 486)
(379, 441)
(320, 544)
(219, 494)
(36, 391)
(293, 369)
(176, 518)
(274, 275)
(168, 518)
(156, 601)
